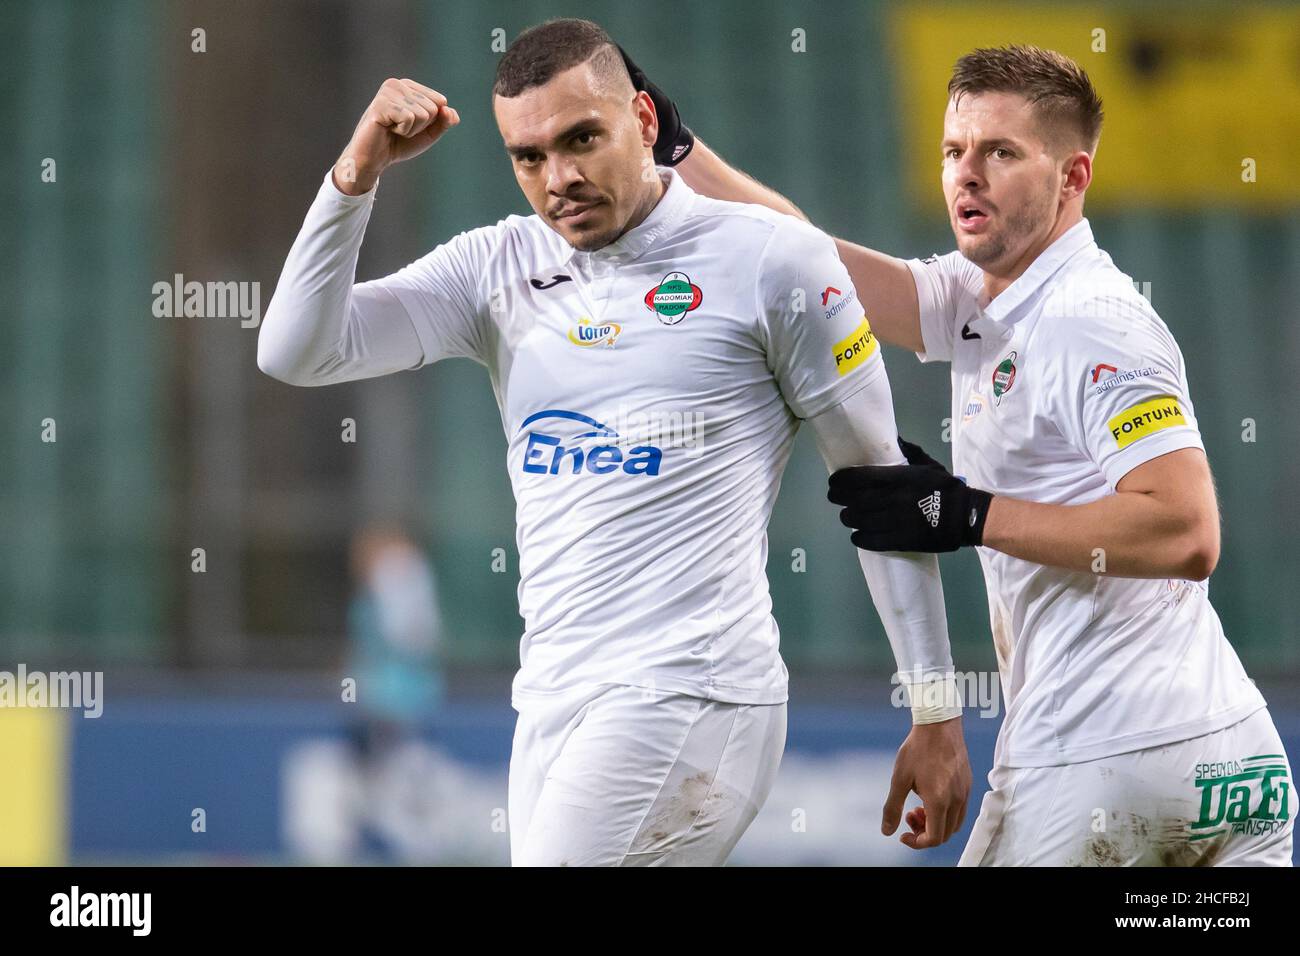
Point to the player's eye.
(1003, 153)
(951, 153)
(585, 138)
(528, 160)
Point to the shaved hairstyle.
(540, 52)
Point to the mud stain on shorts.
(1137, 840)
(692, 803)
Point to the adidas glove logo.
(930, 509)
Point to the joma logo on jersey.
(587, 333)
(1146, 419)
(1253, 801)
(856, 348)
(547, 454)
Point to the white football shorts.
(1221, 799)
(615, 775)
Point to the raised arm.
(319, 328)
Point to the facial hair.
(1015, 231)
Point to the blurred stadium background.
(224, 736)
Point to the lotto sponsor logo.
(855, 348)
(587, 333)
(1146, 419)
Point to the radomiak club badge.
(672, 298)
(1004, 376)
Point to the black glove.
(919, 506)
(675, 140)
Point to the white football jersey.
(650, 392)
(1061, 385)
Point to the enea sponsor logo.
(1106, 377)
(587, 333)
(1146, 419)
(855, 348)
(834, 301)
(561, 442)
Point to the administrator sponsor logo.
(1106, 377)
(1146, 419)
(855, 348)
(834, 301)
(673, 297)
(587, 333)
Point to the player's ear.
(644, 109)
(1078, 174)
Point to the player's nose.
(561, 175)
(969, 172)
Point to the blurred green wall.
(82, 523)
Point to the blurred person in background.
(394, 633)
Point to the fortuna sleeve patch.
(1146, 419)
(855, 348)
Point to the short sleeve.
(442, 293)
(1122, 390)
(942, 282)
(819, 343)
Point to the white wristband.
(933, 699)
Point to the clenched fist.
(403, 120)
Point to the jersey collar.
(1003, 310)
(663, 218)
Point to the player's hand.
(675, 140)
(933, 764)
(403, 120)
(919, 506)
